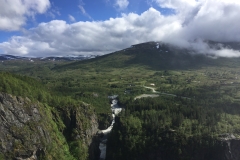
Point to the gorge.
(116, 109)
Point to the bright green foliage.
(55, 108)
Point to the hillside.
(156, 56)
(38, 124)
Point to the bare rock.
(22, 133)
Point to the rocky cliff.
(75, 130)
(22, 131)
(231, 149)
(225, 149)
(30, 131)
(228, 148)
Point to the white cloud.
(14, 14)
(53, 12)
(71, 18)
(177, 4)
(122, 4)
(82, 9)
(97, 37)
(84, 12)
(225, 53)
(215, 20)
(216, 50)
(26, 47)
(203, 20)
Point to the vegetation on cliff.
(63, 120)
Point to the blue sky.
(96, 27)
(95, 10)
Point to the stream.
(115, 110)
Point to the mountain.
(32, 59)
(159, 55)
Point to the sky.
(42, 28)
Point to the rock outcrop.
(75, 130)
(22, 133)
(231, 148)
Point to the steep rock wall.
(232, 149)
(29, 130)
(87, 133)
(22, 133)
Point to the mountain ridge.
(157, 55)
(4, 57)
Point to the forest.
(171, 128)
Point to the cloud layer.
(122, 4)
(14, 14)
(201, 20)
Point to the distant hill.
(158, 55)
(5, 57)
(153, 55)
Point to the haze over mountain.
(186, 23)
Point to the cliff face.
(31, 131)
(228, 149)
(93, 139)
(232, 149)
(22, 133)
(87, 133)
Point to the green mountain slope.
(152, 55)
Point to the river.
(115, 110)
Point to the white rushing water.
(115, 110)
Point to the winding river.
(115, 110)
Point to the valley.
(174, 102)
